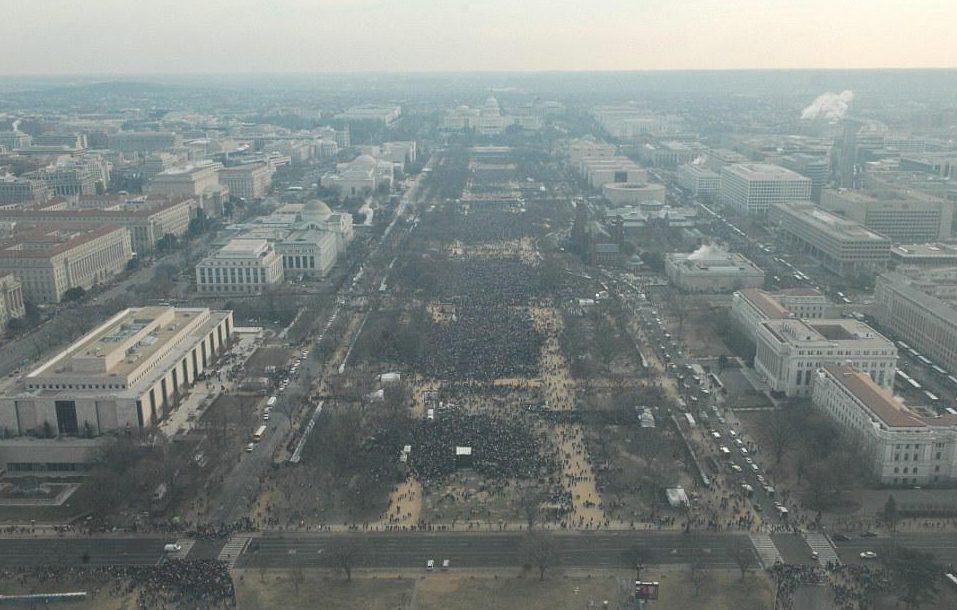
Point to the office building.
(904, 217)
(51, 260)
(700, 181)
(601, 171)
(633, 193)
(924, 255)
(710, 269)
(22, 190)
(814, 167)
(250, 181)
(127, 373)
(12, 305)
(196, 181)
(666, 154)
(753, 306)
(920, 307)
(901, 444)
(589, 148)
(752, 188)
(383, 113)
(143, 142)
(789, 351)
(843, 246)
(243, 266)
(148, 219)
(68, 141)
(15, 140)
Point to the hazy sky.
(205, 36)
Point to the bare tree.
(699, 576)
(540, 550)
(637, 558)
(781, 436)
(297, 577)
(744, 557)
(530, 504)
(346, 552)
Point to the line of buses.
(909, 382)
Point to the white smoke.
(706, 251)
(16, 125)
(829, 106)
(700, 160)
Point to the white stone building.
(789, 351)
(243, 266)
(752, 306)
(751, 188)
(903, 445)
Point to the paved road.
(19, 552)
(405, 550)
(942, 544)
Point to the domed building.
(361, 176)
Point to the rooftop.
(765, 303)
(130, 349)
(51, 240)
(935, 250)
(878, 400)
(842, 330)
(821, 219)
(762, 171)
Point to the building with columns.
(901, 444)
(242, 266)
(51, 260)
(790, 351)
(11, 298)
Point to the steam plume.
(830, 106)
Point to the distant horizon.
(469, 71)
(63, 37)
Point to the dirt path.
(405, 505)
(578, 477)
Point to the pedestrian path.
(821, 544)
(767, 551)
(234, 548)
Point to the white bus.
(259, 433)
(271, 402)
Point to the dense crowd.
(481, 224)
(483, 342)
(489, 281)
(171, 584)
(501, 447)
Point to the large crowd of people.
(173, 583)
(501, 447)
(483, 342)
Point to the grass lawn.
(505, 589)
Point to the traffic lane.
(943, 546)
(30, 552)
(490, 550)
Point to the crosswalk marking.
(233, 549)
(822, 545)
(767, 551)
